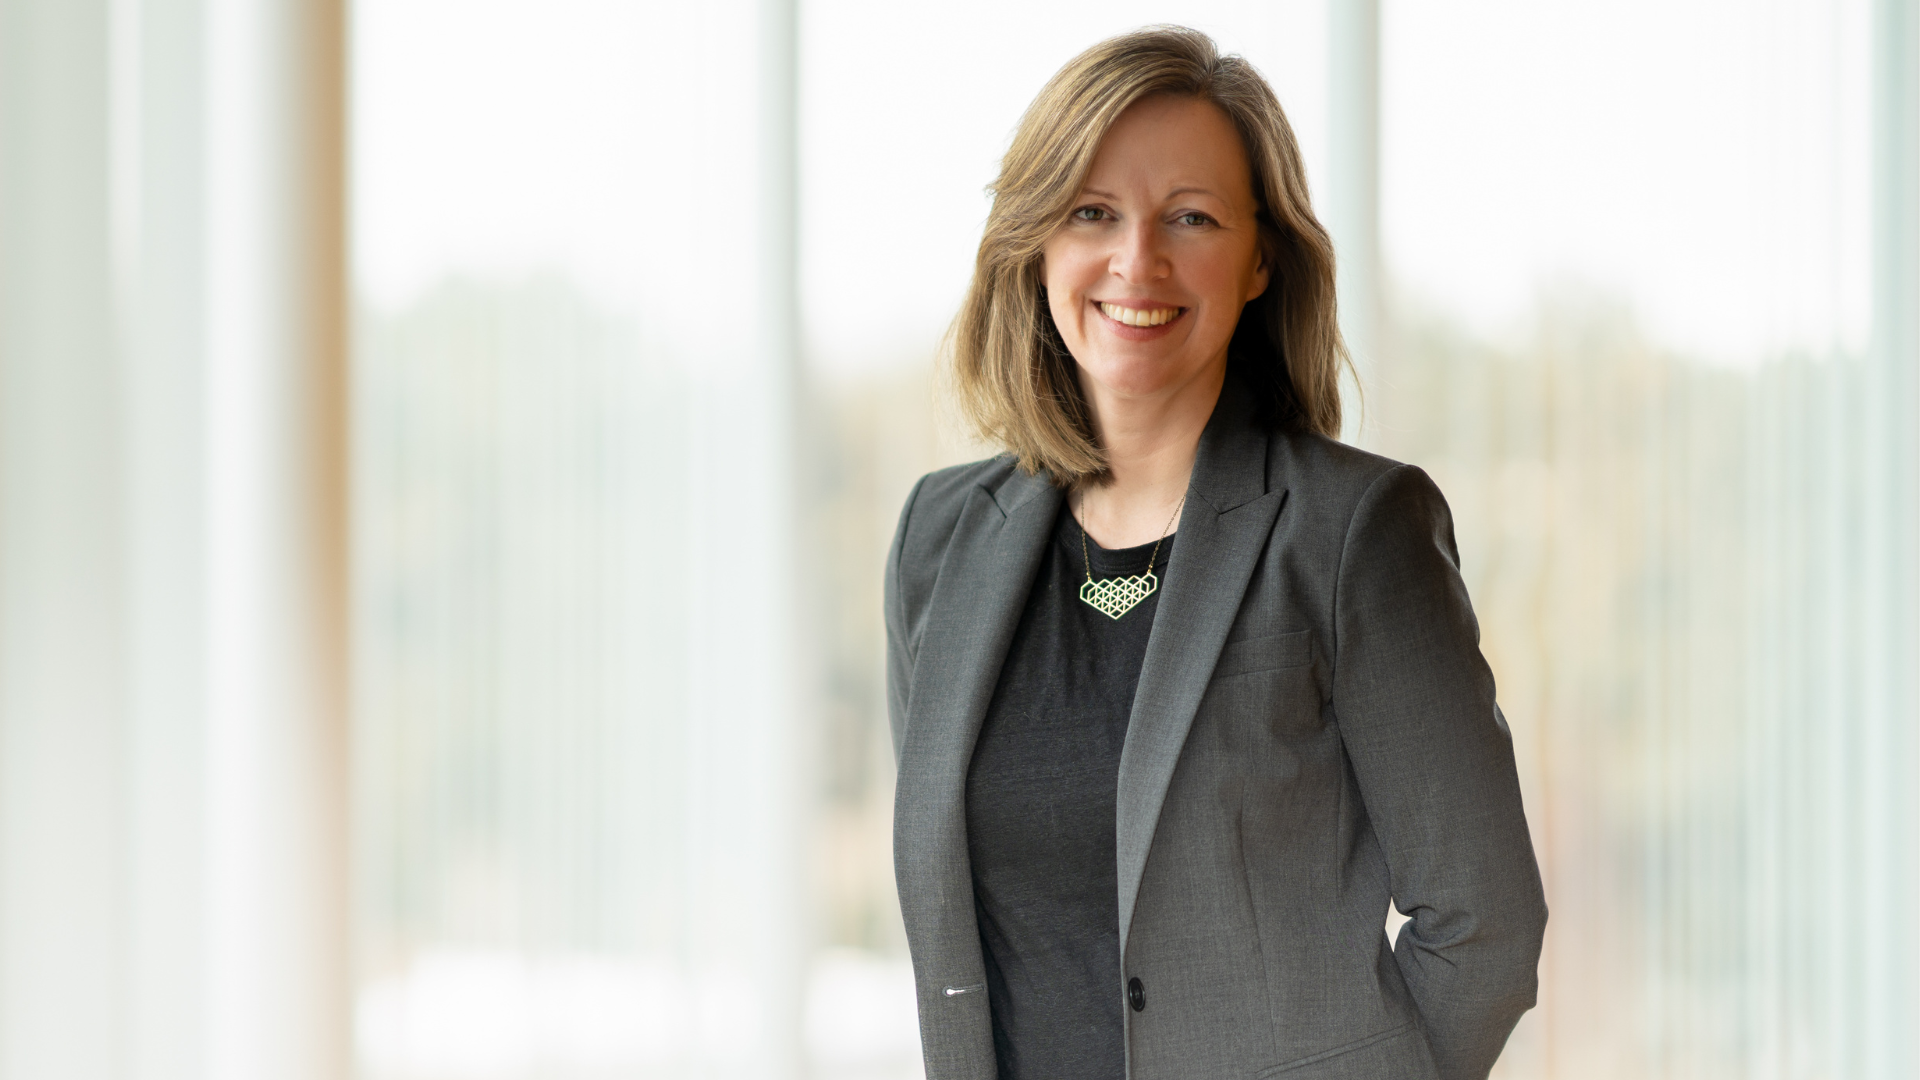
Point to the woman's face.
(1147, 277)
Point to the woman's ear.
(1262, 275)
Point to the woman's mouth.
(1140, 316)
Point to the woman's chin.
(1135, 379)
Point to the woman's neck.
(1151, 443)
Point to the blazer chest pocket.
(1266, 653)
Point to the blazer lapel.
(1223, 530)
(973, 612)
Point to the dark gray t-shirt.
(1040, 818)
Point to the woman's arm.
(1415, 704)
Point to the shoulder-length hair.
(1012, 374)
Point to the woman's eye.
(1090, 213)
(1194, 220)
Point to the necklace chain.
(1114, 597)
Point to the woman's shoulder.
(937, 498)
(1348, 490)
(1318, 466)
(944, 489)
(932, 513)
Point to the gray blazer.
(1314, 732)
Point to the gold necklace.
(1114, 597)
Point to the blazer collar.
(1230, 469)
(1228, 518)
(1013, 494)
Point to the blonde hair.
(1012, 374)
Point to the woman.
(1157, 785)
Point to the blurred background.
(448, 449)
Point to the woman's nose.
(1138, 257)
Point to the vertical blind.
(577, 727)
(1694, 567)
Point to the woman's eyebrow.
(1097, 193)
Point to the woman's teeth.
(1136, 317)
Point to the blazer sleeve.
(899, 651)
(1414, 700)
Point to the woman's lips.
(1139, 320)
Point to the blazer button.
(1137, 995)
